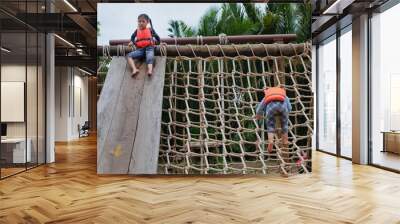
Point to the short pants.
(146, 52)
(273, 109)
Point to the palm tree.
(233, 20)
(271, 22)
(178, 28)
(255, 15)
(304, 16)
(287, 17)
(247, 18)
(208, 23)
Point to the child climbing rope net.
(208, 123)
(275, 104)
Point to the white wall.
(81, 83)
(71, 93)
(12, 73)
(33, 127)
(61, 103)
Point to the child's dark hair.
(146, 17)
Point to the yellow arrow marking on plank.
(117, 151)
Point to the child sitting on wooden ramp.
(275, 103)
(143, 38)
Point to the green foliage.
(103, 70)
(236, 22)
(98, 28)
(247, 18)
(208, 23)
(287, 17)
(178, 28)
(304, 21)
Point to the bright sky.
(119, 20)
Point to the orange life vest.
(144, 38)
(274, 94)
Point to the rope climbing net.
(209, 103)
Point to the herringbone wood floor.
(69, 191)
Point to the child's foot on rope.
(135, 72)
(303, 157)
(270, 147)
(283, 171)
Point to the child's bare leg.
(270, 141)
(150, 60)
(150, 69)
(285, 143)
(285, 138)
(133, 66)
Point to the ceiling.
(16, 42)
(332, 15)
(74, 22)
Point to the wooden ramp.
(129, 119)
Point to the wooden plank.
(106, 104)
(147, 142)
(120, 137)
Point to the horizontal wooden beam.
(222, 39)
(214, 50)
